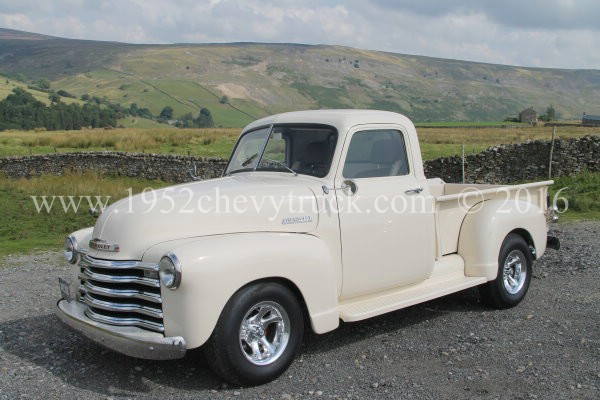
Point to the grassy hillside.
(7, 86)
(261, 79)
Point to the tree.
(204, 119)
(64, 93)
(54, 97)
(20, 110)
(166, 113)
(145, 113)
(224, 100)
(43, 83)
(550, 113)
(187, 120)
(85, 97)
(133, 109)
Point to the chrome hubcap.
(264, 333)
(514, 272)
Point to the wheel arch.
(215, 268)
(483, 232)
(526, 235)
(292, 287)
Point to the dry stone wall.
(169, 168)
(500, 164)
(519, 162)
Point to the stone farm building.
(528, 115)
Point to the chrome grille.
(123, 293)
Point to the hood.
(245, 202)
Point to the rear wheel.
(514, 274)
(257, 336)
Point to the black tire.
(234, 359)
(510, 286)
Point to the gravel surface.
(451, 348)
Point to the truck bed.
(453, 201)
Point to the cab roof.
(342, 120)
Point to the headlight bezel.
(71, 250)
(169, 271)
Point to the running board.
(364, 307)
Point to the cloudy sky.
(536, 33)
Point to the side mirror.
(350, 187)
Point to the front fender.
(215, 267)
(488, 223)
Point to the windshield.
(303, 149)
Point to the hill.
(242, 81)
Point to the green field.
(582, 193)
(160, 138)
(7, 86)
(164, 140)
(467, 124)
(25, 229)
(183, 96)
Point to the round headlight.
(169, 271)
(71, 249)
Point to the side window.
(376, 153)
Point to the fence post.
(463, 163)
(551, 153)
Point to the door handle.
(414, 190)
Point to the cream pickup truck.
(320, 216)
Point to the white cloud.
(17, 21)
(543, 33)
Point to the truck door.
(387, 225)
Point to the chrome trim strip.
(91, 301)
(129, 340)
(87, 274)
(88, 261)
(89, 287)
(124, 321)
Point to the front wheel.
(514, 274)
(257, 336)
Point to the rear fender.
(488, 223)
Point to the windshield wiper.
(281, 164)
(244, 164)
(249, 159)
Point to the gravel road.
(451, 348)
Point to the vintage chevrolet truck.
(319, 216)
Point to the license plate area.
(65, 289)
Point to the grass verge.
(24, 228)
(582, 195)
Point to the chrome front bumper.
(131, 341)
